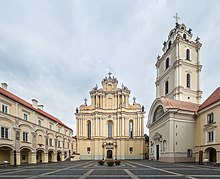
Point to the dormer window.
(187, 54)
(167, 63)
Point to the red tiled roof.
(213, 98)
(175, 104)
(28, 105)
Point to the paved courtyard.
(128, 169)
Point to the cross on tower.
(109, 73)
(176, 17)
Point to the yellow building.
(208, 129)
(110, 127)
(29, 134)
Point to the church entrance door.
(157, 152)
(109, 153)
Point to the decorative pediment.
(157, 137)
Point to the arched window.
(187, 54)
(188, 80)
(166, 87)
(167, 63)
(184, 36)
(169, 46)
(158, 113)
(89, 129)
(164, 145)
(130, 129)
(109, 129)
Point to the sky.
(56, 51)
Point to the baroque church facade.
(110, 127)
(180, 128)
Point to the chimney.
(4, 86)
(41, 107)
(34, 103)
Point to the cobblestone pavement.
(128, 169)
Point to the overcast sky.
(57, 51)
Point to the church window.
(189, 152)
(169, 46)
(166, 87)
(210, 136)
(88, 150)
(4, 132)
(167, 63)
(184, 36)
(210, 118)
(130, 150)
(131, 129)
(89, 129)
(164, 145)
(187, 54)
(158, 113)
(109, 129)
(188, 79)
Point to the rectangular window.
(5, 108)
(25, 136)
(23, 157)
(39, 122)
(59, 144)
(189, 152)
(25, 116)
(51, 126)
(4, 132)
(210, 118)
(51, 142)
(130, 150)
(88, 149)
(59, 130)
(210, 136)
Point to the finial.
(134, 99)
(197, 39)
(177, 18)
(109, 74)
(86, 101)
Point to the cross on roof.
(109, 73)
(176, 17)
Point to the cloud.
(58, 51)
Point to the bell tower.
(179, 68)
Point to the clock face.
(158, 113)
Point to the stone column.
(32, 158)
(44, 157)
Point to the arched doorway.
(39, 156)
(25, 152)
(5, 154)
(109, 153)
(210, 153)
(50, 156)
(59, 156)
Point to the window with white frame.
(211, 136)
(5, 108)
(25, 136)
(4, 132)
(25, 116)
(59, 144)
(59, 129)
(51, 126)
(210, 118)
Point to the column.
(44, 157)
(123, 126)
(100, 127)
(118, 126)
(77, 127)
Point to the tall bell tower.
(179, 68)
